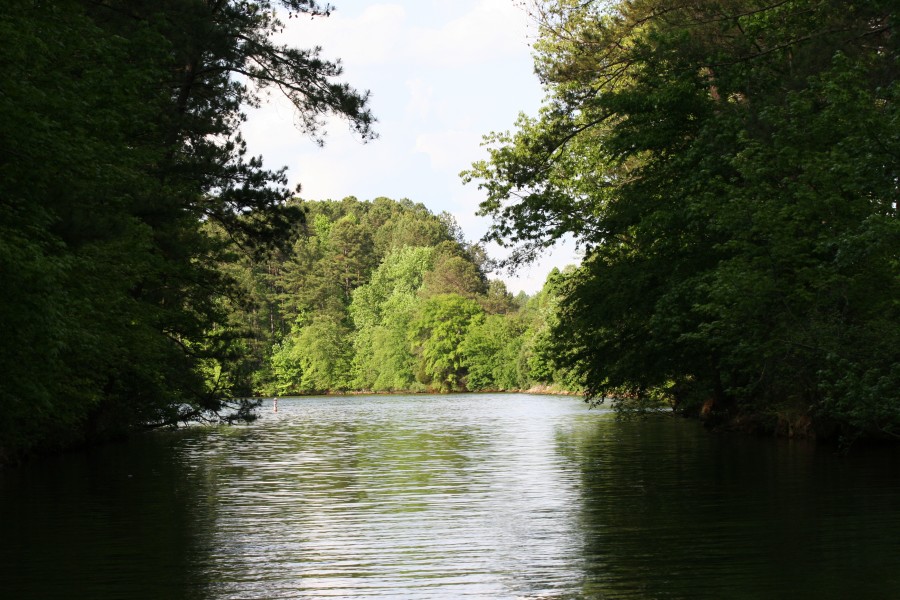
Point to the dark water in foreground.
(481, 496)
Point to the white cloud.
(372, 37)
(382, 33)
(442, 74)
(421, 96)
(449, 150)
(493, 29)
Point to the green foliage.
(124, 190)
(727, 166)
(314, 359)
(490, 350)
(454, 275)
(392, 359)
(397, 330)
(436, 333)
(382, 310)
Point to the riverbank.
(794, 423)
(547, 390)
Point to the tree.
(392, 358)
(352, 253)
(364, 342)
(405, 223)
(314, 359)
(120, 151)
(436, 334)
(454, 275)
(721, 162)
(382, 310)
(491, 349)
(497, 299)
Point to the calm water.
(481, 496)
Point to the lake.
(488, 496)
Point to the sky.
(442, 74)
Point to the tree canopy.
(730, 167)
(124, 184)
(411, 318)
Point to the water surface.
(471, 496)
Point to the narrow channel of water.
(470, 496)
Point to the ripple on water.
(480, 496)
(407, 498)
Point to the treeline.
(120, 155)
(153, 273)
(731, 167)
(385, 296)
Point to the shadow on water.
(492, 497)
(114, 522)
(670, 511)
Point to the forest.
(124, 186)
(155, 274)
(729, 167)
(384, 296)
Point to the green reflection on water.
(670, 511)
(117, 522)
(424, 497)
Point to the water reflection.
(668, 513)
(407, 497)
(120, 522)
(490, 496)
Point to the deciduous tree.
(730, 167)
